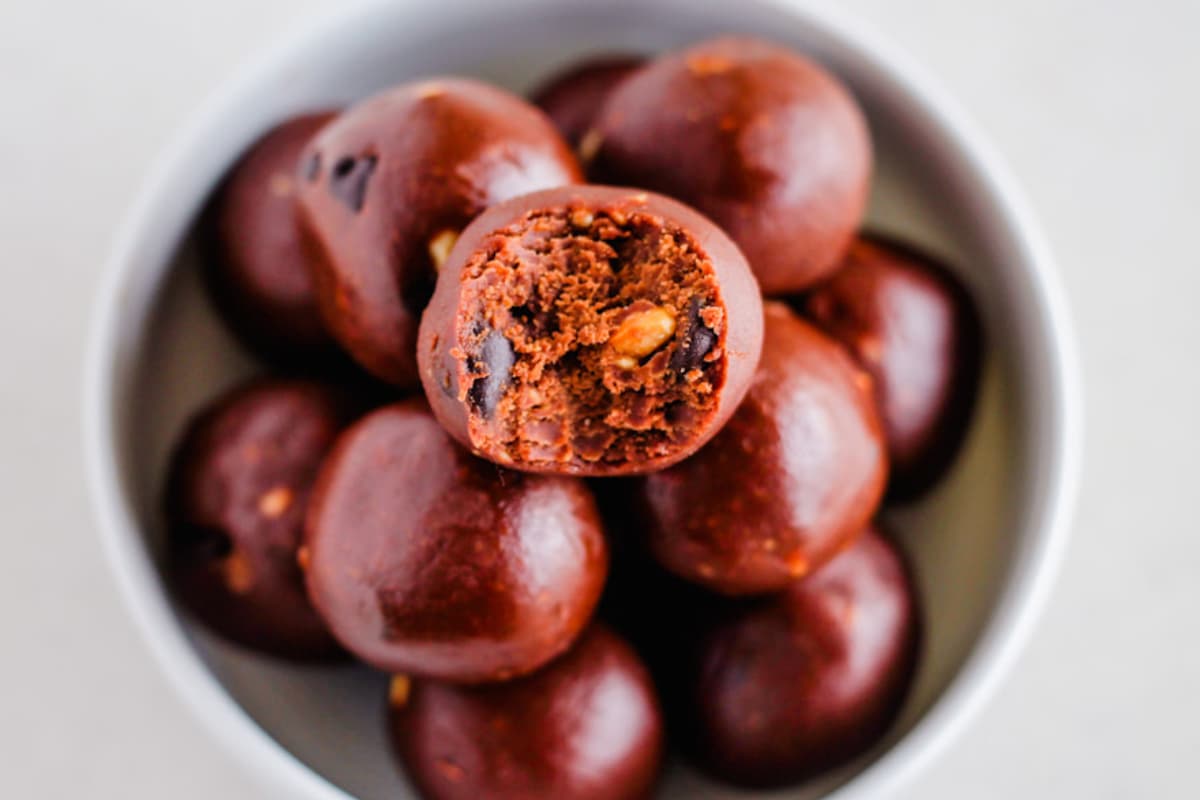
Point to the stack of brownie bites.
(583, 413)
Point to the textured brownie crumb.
(589, 336)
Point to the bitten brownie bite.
(765, 142)
(256, 268)
(586, 727)
(573, 98)
(387, 186)
(913, 326)
(590, 330)
(427, 561)
(238, 487)
(803, 681)
(791, 479)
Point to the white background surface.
(1095, 105)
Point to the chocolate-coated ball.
(585, 727)
(425, 560)
(386, 188)
(256, 268)
(590, 330)
(237, 492)
(912, 325)
(795, 684)
(791, 479)
(765, 142)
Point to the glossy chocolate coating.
(789, 686)
(573, 97)
(762, 140)
(912, 325)
(256, 268)
(427, 561)
(391, 180)
(586, 727)
(790, 480)
(531, 306)
(239, 484)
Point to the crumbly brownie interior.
(589, 336)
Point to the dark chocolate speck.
(698, 339)
(348, 182)
(497, 357)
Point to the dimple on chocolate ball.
(425, 560)
(798, 683)
(913, 326)
(237, 491)
(585, 727)
(387, 186)
(573, 98)
(590, 330)
(791, 479)
(257, 269)
(760, 139)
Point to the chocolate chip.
(312, 167)
(496, 356)
(348, 182)
(698, 339)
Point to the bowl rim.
(1021, 596)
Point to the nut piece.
(582, 218)
(275, 501)
(589, 145)
(449, 770)
(281, 185)
(440, 246)
(237, 572)
(797, 565)
(703, 64)
(625, 362)
(398, 690)
(643, 332)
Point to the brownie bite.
(789, 481)
(427, 561)
(798, 683)
(236, 496)
(255, 266)
(762, 140)
(913, 326)
(590, 330)
(586, 727)
(386, 188)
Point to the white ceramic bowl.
(985, 545)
